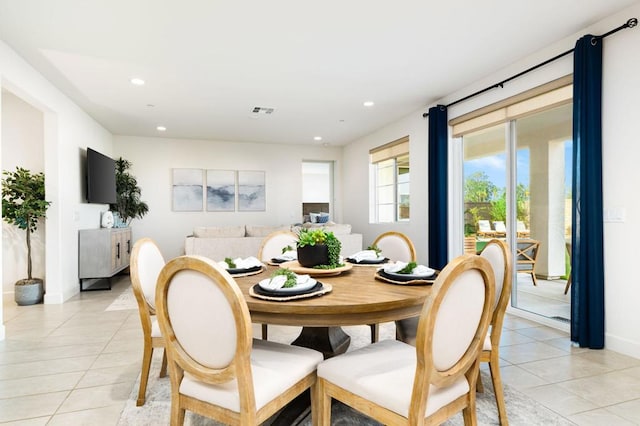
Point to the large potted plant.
(23, 204)
(318, 248)
(128, 203)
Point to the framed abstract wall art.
(187, 190)
(251, 191)
(221, 190)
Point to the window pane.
(385, 195)
(385, 175)
(386, 213)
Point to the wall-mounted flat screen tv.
(101, 178)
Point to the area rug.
(126, 300)
(521, 409)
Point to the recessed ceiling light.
(161, 128)
(137, 81)
(317, 138)
(368, 103)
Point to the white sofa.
(245, 240)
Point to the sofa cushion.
(219, 231)
(336, 228)
(263, 231)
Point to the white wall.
(621, 109)
(23, 134)
(153, 159)
(67, 132)
(356, 178)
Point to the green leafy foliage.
(128, 203)
(23, 203)
(312, 237)
(375, 248)
(408, 269)
(291, 276)
(229, 261)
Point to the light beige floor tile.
(96, 397)
(512, 337)
(629, 411)
(38, 421)
(528, 352)
(124, 345)
(543, 333)
(599, 417)
(111, 375)
(28, 407)
(564, 368)
(606, 389)
(566, 344)
(116, 359)
(520, 379)
(48, 354)
(39, 368)
(609, 358)
(512, 322)
(559, 399)
(97, 416)
(39, 384)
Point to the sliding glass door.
(517, 187)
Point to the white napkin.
(302, 279)
(288, 255)
(241, 263)
(274, 283)
(364, 255)
(278, 281)
(418, 270)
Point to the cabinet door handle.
(128, 246)
(118, 250)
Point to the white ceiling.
(207, 63)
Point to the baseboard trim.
(622, 345)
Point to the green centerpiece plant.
(318, 248)
(23, 204)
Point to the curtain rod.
(629, 24)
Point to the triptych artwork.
(218, 190)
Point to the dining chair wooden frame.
(498, 254)
(405, 256)
(194, 294)
(526, 255)
(143, 283)
(448, 368)
(271, 247)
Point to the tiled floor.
(75, 364)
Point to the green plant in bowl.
(308, 238)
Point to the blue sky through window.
(495, 166)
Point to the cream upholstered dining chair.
(396, 383)
(145, 266)
(217, 369)
(395, 246)
(271, 247)
(499, 256)
(274, 243)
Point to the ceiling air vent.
(262, 110)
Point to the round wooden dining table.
(356, 298)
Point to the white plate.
(412, 276)
(300, 287)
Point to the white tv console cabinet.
(102, 253)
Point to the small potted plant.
(318, 248)
(23, 204)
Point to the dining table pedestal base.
(331, 341)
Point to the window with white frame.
(391, 182)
